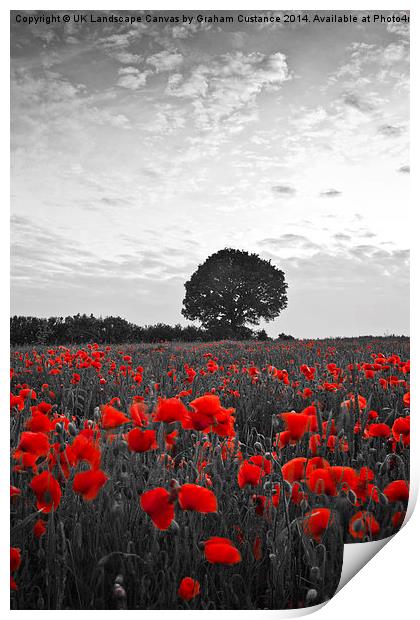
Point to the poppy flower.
(205, 411)
(199, 499)
(158, 504)
(112, 418)
(35, 443)
(83, 449)
(218, 550)
(261, 461)
(406, 399)
(39, 422)
(293, 470)
(316, 522)
(249, 474)
(257, 549)
(40, 528)
(398, 519)
(89, 483)
(397, 491)
(378, 430)
(15, 559)
(170, 439)
(138, 413)
(188, 589)
(321, 482)
(296, 423)
(141, 441)
(363, 524)
(170, 410)
(401, 430)
(47, 491)
(14, 491)
(345, 476)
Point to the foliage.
(233, 288)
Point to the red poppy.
(170, 439)
(321, 481)
(40, 528)
(249, 474)
(138, 413)
(47, 491)
(35, 443)
(257, 549)
(14, 491)
(316, 522)
(170, 410)
(398, 519)
(205, 411)
(296, 423)
(89, 483)
(141, 441)
(344, 476)
(158, 504)
(406, 399)
(401, 430)
(39, 422)
(112, 418)
(363, 524)
(83, 449)
(15, 559)
(294, 470)
(199, 499)
(378, 430)
(261, 461)
(188, 589)
(218, 550)
(397, 491)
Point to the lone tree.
(232, 288)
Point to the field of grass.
(127, 460)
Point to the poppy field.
(222, 475)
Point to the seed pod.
(311, 595)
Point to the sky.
(138, 150)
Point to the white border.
(387, 586)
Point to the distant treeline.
(27, 330)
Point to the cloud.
(289, 241)
(132, 78)
(226, 85)
(284, 190)
(390, 131)
(404, 169)
(330, 193)
(165, 61)
(358, 103)
(342, 237)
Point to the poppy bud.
(383, 500)
(268, 456)
(174, 527)
(304, 506)
(119, 580)
(40, 604)
(315, 573)
(119, 592)
(59, 428)
(63, 446)
(96, 414)
(311, 595)
(272, 557)
(72, 429)
(258, 447)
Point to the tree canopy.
(233, 288)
